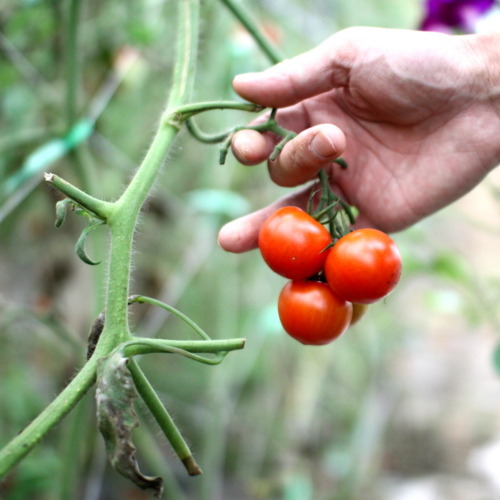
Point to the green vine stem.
(192, 109)
(123, 220)
(99, 208)
(72, 62)
(121, 217)
(141, 299)
(271, 51)
(20, 445)
(163, 418)
(184, 347)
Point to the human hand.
(416, 115)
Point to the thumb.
(325, 67)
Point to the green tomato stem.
(20, 445)
(270, 50)
(149, 346)
(122, 219)
(101, 209)
(189, 110)
(163, 418)
(140, 299)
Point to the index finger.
(324, 67)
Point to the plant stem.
(72, 446)
(123, 220)
(171, 120)
(195, 108)
(102, 209)
(72, 66)
(20, 445)
(140, 299)
(83, 169)
(148, 346)
(163, 418)
(271, 51)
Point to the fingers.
(304, 156)
(241, 235)
(251, 147)
(301, 158)
(299, 161)
(325, 67)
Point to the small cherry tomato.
(294, 244)
(311, 313)
(358, 311)
(363, 266)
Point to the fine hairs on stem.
(112, 334)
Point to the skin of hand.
(416, 115)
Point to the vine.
(112, 345)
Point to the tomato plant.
(294, 244)
(363, 266)
(311, 313)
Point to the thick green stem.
(122, 219)
(116, 326)
(19, 446)
(126, 210)
(171, 120)
(134, 196)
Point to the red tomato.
(293, 244)
(363, 266)
(311, 313)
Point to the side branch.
(101, 209)
(188, 110)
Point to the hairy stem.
(148, 346)
(19, 446)
(122, 219)
(102, 209)
(140, 299)
(126, 210)
(163, 418)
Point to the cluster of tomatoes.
(331, 281)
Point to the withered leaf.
(115, 395)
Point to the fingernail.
(322, 146)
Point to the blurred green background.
(404, 406)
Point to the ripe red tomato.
(293, 244)
(311, 313)
(363, 266)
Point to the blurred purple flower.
(450, 15)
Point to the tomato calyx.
(331, 210)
